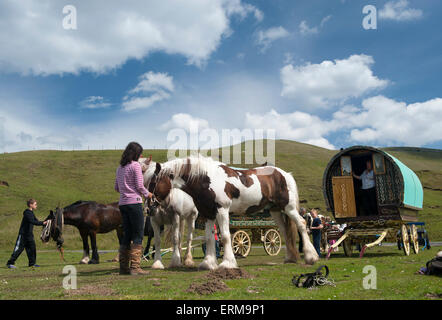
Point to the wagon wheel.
(272, 242)
(241, 243)
(414, 238)
(348, 248)
(405, 240)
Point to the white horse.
(176, 208)
(218, 190)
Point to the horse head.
(150, 171)
(54, 227)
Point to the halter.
(154, 203)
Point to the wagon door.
(344, 197)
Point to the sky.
(332, 73)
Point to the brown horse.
(90, 218)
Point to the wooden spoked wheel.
(348, 248)
(405, 240)
(414, 238)
(272, 242)
(241, 243)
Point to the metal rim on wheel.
(348, 248)
(241, 243)
(414, 238)
(405, 240)
(272, 242)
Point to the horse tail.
(291, 232)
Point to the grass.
(62, 177)
(396, 278)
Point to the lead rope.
(46, 232)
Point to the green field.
(62, 177)
(270, 279)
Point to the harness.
(313, 279)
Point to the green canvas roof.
(413, 192)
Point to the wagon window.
(379, 163)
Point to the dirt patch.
(228, 274)
(91, 290)
(209, 287)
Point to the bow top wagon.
(397, 198)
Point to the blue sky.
(136, 71)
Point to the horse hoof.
(290, 261)
(189, 263)
(228, 264)
(93, 262)
(158, 265)
(207, 266)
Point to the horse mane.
(192, 167)
(76, 204)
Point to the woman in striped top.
(129, 183)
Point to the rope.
(46, 232)
(322, 281)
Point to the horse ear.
(157, 168)
(148, 160)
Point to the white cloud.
(264, 38)
(242, 9)
(94, 102)
(110, 32)
(389, 122)
(299, 126)
(151, 88)
(304, 28)
(186, 122)
(322, 85)
(399, 11)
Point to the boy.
(25, 239)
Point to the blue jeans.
(317, 243)
(133, 223)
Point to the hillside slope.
(62, 177)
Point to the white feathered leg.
(157, 264)
(209, 262)
(229, 261)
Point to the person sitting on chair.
(368, 190)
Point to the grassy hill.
(62, 177)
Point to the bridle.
(153, 202)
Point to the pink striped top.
(130, 184)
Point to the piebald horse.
(173, 210)
(218, 190)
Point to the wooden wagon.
(245, 231)
(399, 197)
(261, 229)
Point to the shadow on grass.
(366, 255)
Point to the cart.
(399, 197)
(245, 231)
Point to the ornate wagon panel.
(344, 197)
